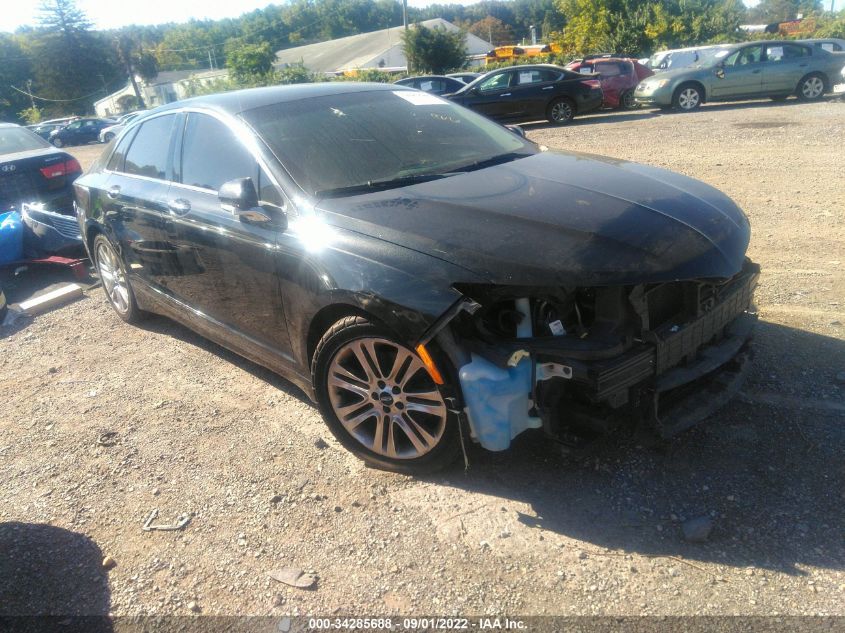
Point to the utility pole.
(210, 63)
(29, 90)
(405, 14)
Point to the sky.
(110, 13)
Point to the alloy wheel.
(812, 88)
(688, 99)
(561, 111)
(113, 278)
(385, 398)
(628, 102)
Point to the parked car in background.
(769, 68)
(44, 129)
(618, 77)
(831, 45)
(79, 132)
(531, 93)
(675, 58)
(32, 170)
(108, 133)
(422, 273)
(466, 77)
(435, 84)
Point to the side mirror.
(516, 130)
(238, 195)
(239, 198)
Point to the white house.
(168, 86)
(378, 49)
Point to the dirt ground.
(200, 432)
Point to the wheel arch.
(691, 82)
(818, 73)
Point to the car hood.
(560, 219)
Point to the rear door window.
(534, 76)
(118, 157)
(148, 154)
(211, 155)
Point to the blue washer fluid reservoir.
(497, 399)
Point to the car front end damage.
(579, 362)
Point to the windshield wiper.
(490, 162)
(379, 185)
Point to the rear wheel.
(560, 111)
(108, 136)
(115, 281)
(687, 98)
(380, 402)
(811, 88)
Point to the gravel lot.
(199, 431)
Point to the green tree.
(769, 11)
(128, 103)
(67, 59)
(247, 60)
(493, 30)
(14, 71)
(434, 50)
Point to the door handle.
(549, 88)
(506, 94)
(113, 192)
(754, 72)
(179, 206)
(804, 65)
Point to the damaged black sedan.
(425, 275)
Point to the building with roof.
(377, 50)
(168, 86)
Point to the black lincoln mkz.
(422, 272)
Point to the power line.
(32, 96)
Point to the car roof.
(239, 101)
(9, 124)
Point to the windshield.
(18, 139)
(710, 56)
(339, 142)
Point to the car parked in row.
(423, 274)
(109, 132)
(435, 84)
(32, 170)
(532, 93)
(79, 132)
(465, 76)
(618, 76)
(771, 68)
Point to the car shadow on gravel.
(49, 571)
(772, 479)
(167, 327)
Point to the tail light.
(66, 168)
(592, 83)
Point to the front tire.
(811, 88)
(687, 98)
(379, 401)
(627, 102)
(560, 111)
(57, 142)
(108, 137)
(115, 281)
